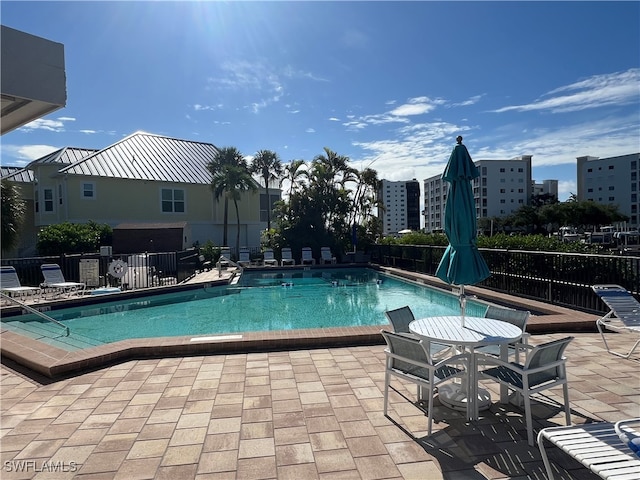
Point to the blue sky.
(388, 84)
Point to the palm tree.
(224, 157)
(293, 173)
(224, 180)
(13, 211)
(268, 165)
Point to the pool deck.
(294, 414)
(304, 411)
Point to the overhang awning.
(33, 78)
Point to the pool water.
(259, 301)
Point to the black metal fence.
(142, 270)
(563, 279)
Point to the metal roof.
(65, 156)
(16, 174)
(145, 156)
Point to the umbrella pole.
(463, 303)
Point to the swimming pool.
(258, 301)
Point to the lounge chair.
(623, 316)
(244, 257)
(307, 257)
(287, 257)
(54, 280)
(408, 359)
(610, 450)
(205, 265)
(224, 261)
(269, 259)
(326, 256)
(10, 284)
(545, 367)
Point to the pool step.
(50, 334)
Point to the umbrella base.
(455, 397)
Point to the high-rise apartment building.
(612, 180)
(547, 187)
(401, 206)
(502, 188)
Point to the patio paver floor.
(300, 414)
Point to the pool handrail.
(36, 312)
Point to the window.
(48, 200)
(173, 200)
(502, 170)
(88, 191)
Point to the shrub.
(73, 238)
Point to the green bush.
(540, 243)
(73, 238)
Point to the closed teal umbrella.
(462, 263)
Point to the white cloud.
(260, 82)
(24, 154)
(470, 101)
(44, 124)
(88, 131)
(310, 130)
(619, 88)
(198, 108)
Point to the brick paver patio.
(301, 414)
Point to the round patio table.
(467, 333)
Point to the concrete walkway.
(301, 414)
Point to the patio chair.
(244, 257)
(518, 318)
(400, 318)
(326, 256)
(269, 259)
(55, 281)
(307, 257)
(544, 368)
(10, 284)
(623, 316)
(287, 257)
(408, 359)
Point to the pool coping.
(54, 362)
